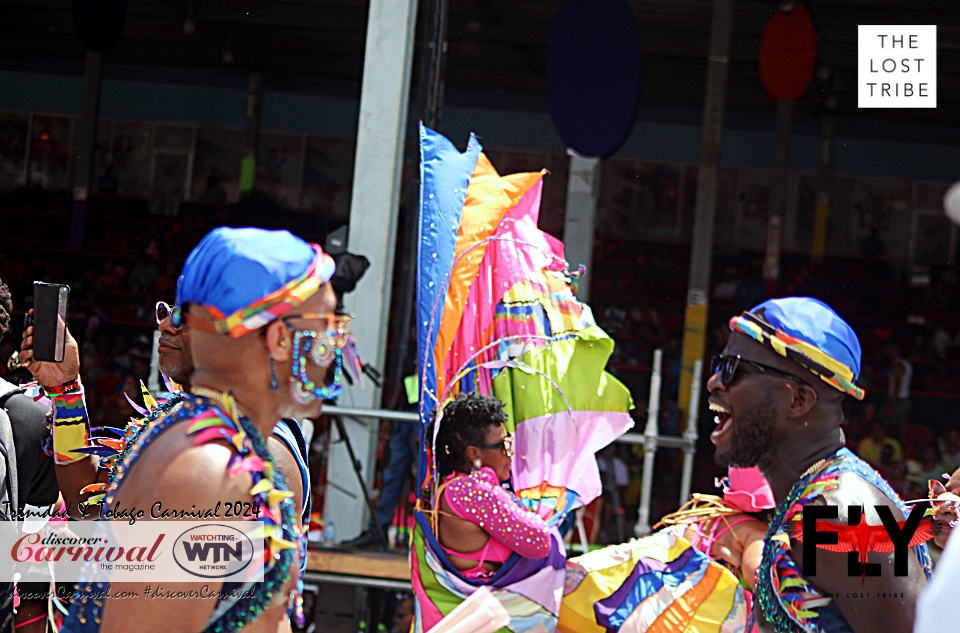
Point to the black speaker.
(99, 22)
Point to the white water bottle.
(329, 532)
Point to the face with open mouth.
(744, 409)
(744, 435)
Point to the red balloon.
(788, 54)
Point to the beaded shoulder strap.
(270, 495)
(207, 423)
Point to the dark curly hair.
(6, 309)
(465, 422)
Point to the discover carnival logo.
(147, 551)
(213, 551)
(56, 547)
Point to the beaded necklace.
(210, 421)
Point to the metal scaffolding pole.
(690, 434)
(578, 229)
(778, 195)
(374, 207)
(650, 437)
(251, 133)
(821, 218)
(701, 254)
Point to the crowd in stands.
(130, 260)
(910, 338)
(111, 315)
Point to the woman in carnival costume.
(266, 345)
(696, 573)
(478, 523)
(497, 315)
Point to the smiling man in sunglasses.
(265, 345)
(776, 393)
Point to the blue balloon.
(593, 74)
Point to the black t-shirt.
(36, 476)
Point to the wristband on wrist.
(71, 427)
(71, 386)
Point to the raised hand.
(945, 507)
(51, 374)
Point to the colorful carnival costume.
(785, 598)
(809, 333)
(668, 581)
(207, 421)
(496, 313)
(111, 445)
(478, 498)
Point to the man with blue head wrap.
(777, 393)
(266, 344)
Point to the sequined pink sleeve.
(479, 498)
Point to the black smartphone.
(50, 303)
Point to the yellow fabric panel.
(716, 607)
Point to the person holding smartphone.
(286, 444)
(27, 475)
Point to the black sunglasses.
(506, 445)
(727, 367)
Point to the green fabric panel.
(442, 598)
(577, 366)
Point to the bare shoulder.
(172, 470)
(749, 528)
(854, 490)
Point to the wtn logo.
(215, 550)
(221, 551)
(859, 539)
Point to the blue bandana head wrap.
(248, 277)
(809, 332)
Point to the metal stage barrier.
(372, 582)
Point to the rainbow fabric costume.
(666, 582)
(496, 313)
(661, 583)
